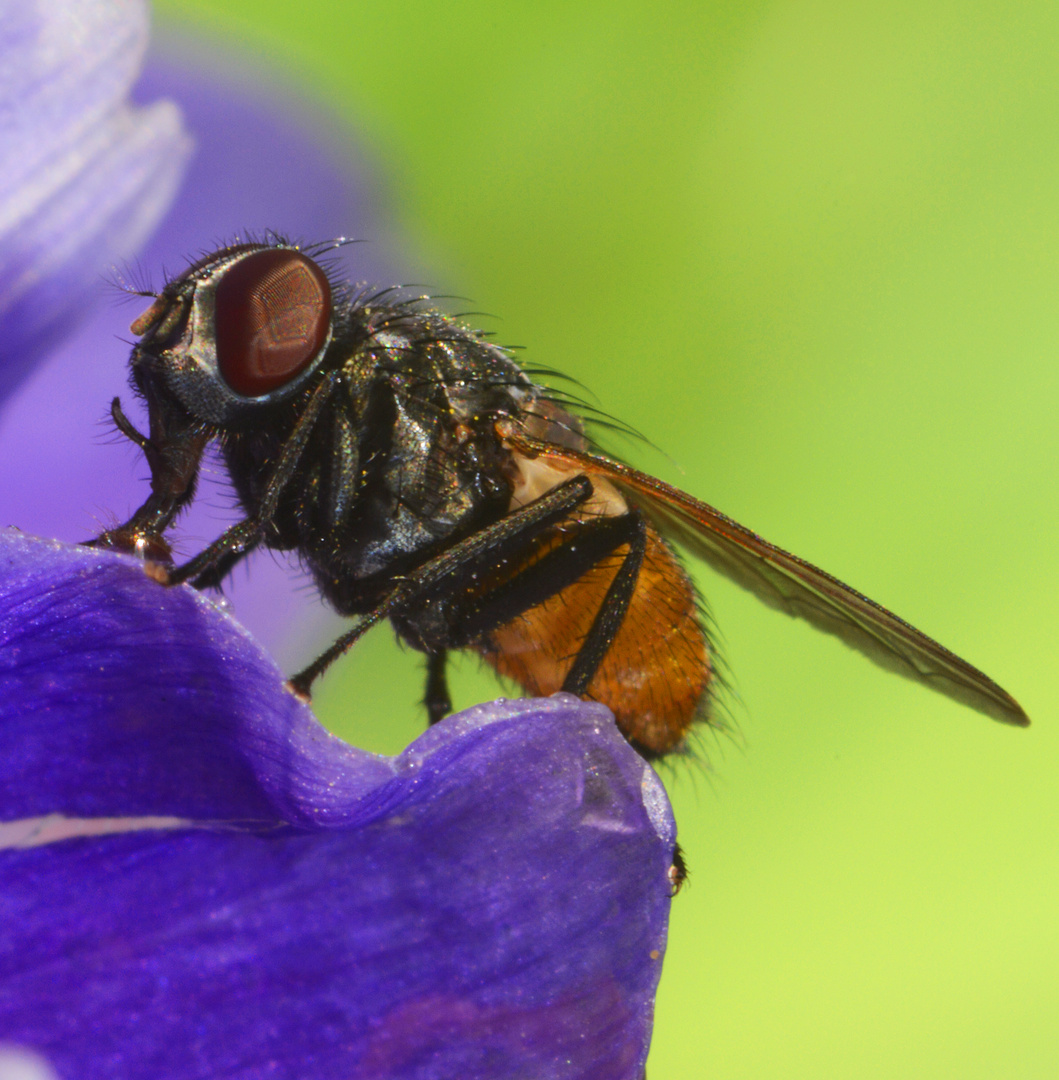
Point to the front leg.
(174, 452)
(240, 538)
(214, 577)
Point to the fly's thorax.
(406, 463)
(546, 420)
(435, 358)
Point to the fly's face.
(245, 327)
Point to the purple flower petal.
(84, 178)
(240, 893)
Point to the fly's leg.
(611, 612)
(240, 538)
(159, 550)
(437, 698)
(550, 575)
(173, 451)
(678, 872)
(215, 575)
(448, 572)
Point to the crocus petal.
(199, 881)
(84, 178)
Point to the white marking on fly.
(537, 476)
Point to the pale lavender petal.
(84, 177)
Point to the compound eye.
(273, 312)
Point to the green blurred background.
(812, 250)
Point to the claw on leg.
(302, 694)
(149, 547)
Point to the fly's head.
(236, 337)
(241, 330)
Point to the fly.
(423, 477)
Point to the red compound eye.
(273, 311)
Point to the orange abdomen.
(656, 676)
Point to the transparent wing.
(791, 584)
